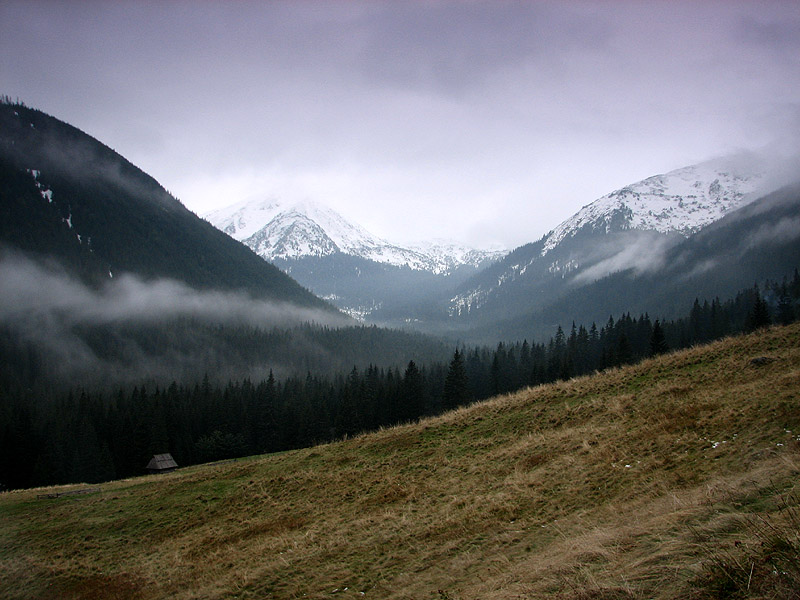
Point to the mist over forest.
(126, 318)
(129, 330)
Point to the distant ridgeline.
(91, 437)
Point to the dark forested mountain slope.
(64, 194)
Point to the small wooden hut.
(162, 463)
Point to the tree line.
(92, 436)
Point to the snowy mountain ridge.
(682, 201)
(630, 228)
(278, 230)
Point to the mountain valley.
(629, 239)
(445, 300)
(324, 456)
(111, 286)
(108, 279)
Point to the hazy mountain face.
(105, 279)
(103, 217)
(659, 275)
(631, 230)
(681, 201)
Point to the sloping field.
(674, 478)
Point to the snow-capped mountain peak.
(278, 230)
(631, 228)
(243, 219)
(682, 201)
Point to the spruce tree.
(658, 343)
(759, 314)
(785, 309)
(624, 352)
(456, 385)
(412, 401)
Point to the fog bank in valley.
(131, 330)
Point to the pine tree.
(658, 343)
(495, 374)
(412, 400)
(624, 352)
(264, 416)
(456, 385)
(785, 309)
(759, 314)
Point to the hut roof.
(161, 462)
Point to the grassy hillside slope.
(674, 478)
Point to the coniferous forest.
(52, 435)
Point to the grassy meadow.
(674, 478)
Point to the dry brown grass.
(629, 484)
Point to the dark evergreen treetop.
(456, 384)
(758, 316)
(658, 342)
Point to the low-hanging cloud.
(46, 308)
(30, 291)
(495, 120)
(780, 232)
(643, 253)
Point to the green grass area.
(673, 478)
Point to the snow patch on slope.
(447, 255)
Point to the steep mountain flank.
(66, 196)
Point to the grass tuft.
(762, 558)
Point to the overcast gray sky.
(485, 122)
